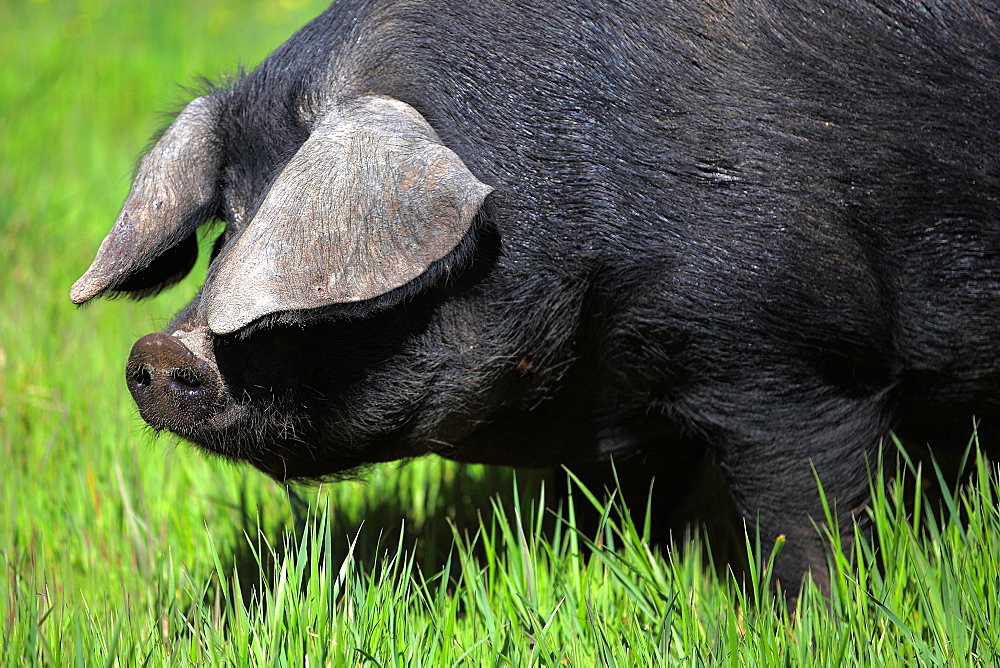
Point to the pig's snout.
(172, 387)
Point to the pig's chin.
(284, 447)
(236, 434)
(220, 433)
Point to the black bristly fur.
(766, 230)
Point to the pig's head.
(317, 342)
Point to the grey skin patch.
(366, 205)
(198, 341)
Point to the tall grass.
(517, 591)
(119, 548)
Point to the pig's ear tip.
(84, 290)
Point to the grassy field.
(119, 548)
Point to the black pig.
(538, 233)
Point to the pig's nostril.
(186, 378)
(139, 377)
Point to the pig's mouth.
(177, 387)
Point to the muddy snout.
(173, 388)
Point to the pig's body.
(766, 229)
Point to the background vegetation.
(119, 548)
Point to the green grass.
(117, 548)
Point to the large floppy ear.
(367, 204)
(152, 244)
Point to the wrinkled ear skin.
(152, 244)
(464, 267)
(370, 202)
(169, 267)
